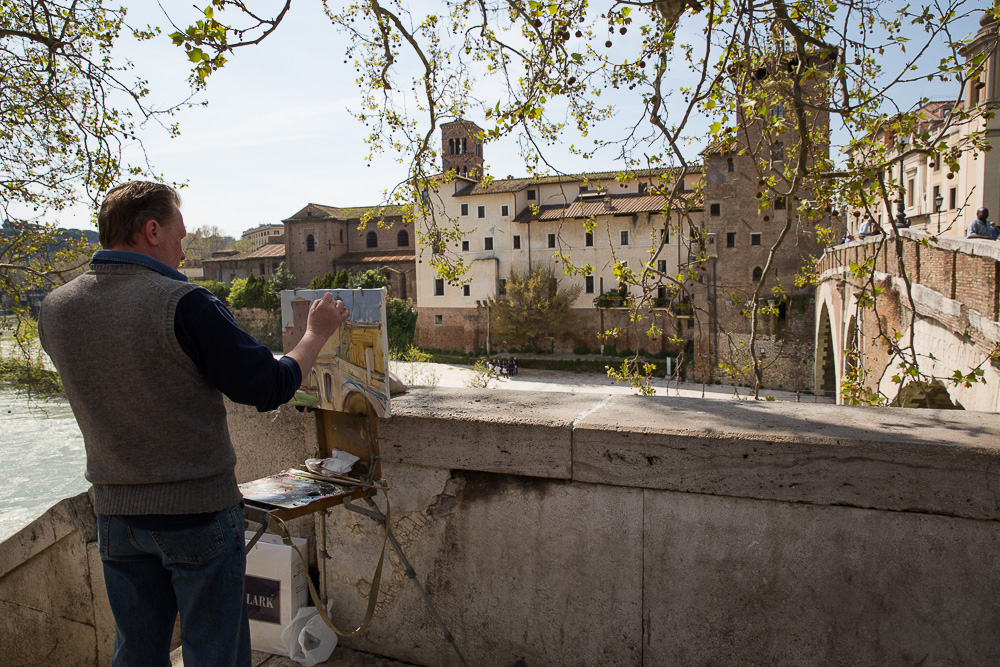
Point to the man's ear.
(151, 232)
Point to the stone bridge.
(955, 289)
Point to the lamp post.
(938, 201)
(901, 207)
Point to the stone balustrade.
(575, 530)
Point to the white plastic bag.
(338, 463)
(308, 639)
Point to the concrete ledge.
(512, 432)
(932, 461)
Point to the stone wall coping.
(929, 461)
(972, 247)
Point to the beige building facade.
(261, 235)
(722, 239)
(937, 200)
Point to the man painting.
(145, 359)
(982, 228)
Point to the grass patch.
(29, 375)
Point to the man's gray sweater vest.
(154, 428)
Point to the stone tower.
(462, 149)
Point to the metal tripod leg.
(376, 514)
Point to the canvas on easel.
(352, 368)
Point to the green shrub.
(219, 290)
(252, 292)
(401, 322)
(583, 349)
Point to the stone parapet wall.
(591, 530)
(598, 530)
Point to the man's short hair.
(129, 205)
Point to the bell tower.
(461, 148)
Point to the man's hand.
(326, 315)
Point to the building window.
(731, 166)
(730, 239)
(937, 162)
(758, 273)
(451, 146)
(505, 211)
(778, 151)
(517, 242)
(465, 246)
(665, 234)
(661, 265)
(262, 268)
(715, 209)
(624, 237)
(438, 319)
(909, 192)
(488, 243)
(439, 287)
(437, 244)
(952, 198)
(466, 290)
(371, 240)
(341, 235)
(480, 211)
(643, 187)
(552, 240)
(502, 287)
(755, 239)
(465, 209)
(779, 203)
(402, 238)
(937, 193)
(588, 239)
(588, 285)
(531, 195)
(310, 243)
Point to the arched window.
(310, 243)
(465, 171)
(341, 235)
(451, 146)
(371, 241)
(758, 273)
(464, 150)
(402, 239)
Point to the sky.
(277, 132)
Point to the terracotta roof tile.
(406, 255)
(322, 212)
(502, 185)
(620, 205)
(269, 250)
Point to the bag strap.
(278, 527)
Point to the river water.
(42, 459)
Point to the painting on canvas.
(351, 369)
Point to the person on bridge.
(145, 359)
(868, 228)
(982, 228)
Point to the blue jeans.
(151, 575)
